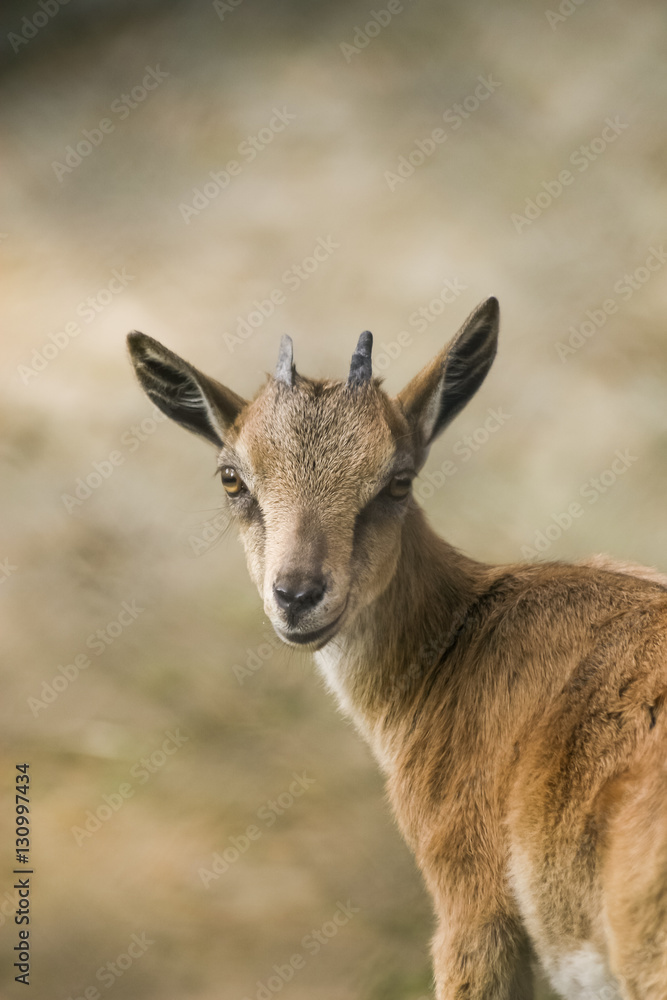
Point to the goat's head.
(318, 474)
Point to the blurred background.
(216, 174)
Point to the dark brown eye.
(399, 487)
(232, 482)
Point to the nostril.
(284, 597)
(299, 595)
(311, 594)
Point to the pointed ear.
(193, 400)
(440, 391)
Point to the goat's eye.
(232, 482)
(399, 487)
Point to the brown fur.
(517, 711)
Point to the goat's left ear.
(440, 391)
(192, 399)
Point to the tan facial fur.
(316, 477)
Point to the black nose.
(299, 594)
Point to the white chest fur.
(340, 675)
(582, 974)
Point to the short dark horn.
(285, 367)
(360, 367)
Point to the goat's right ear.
(196, 402)
(438, 393)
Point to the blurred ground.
(342, 117)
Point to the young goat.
(517, 711)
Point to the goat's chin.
(311, 639)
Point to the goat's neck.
(376, 665)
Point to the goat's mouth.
(317, 638)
